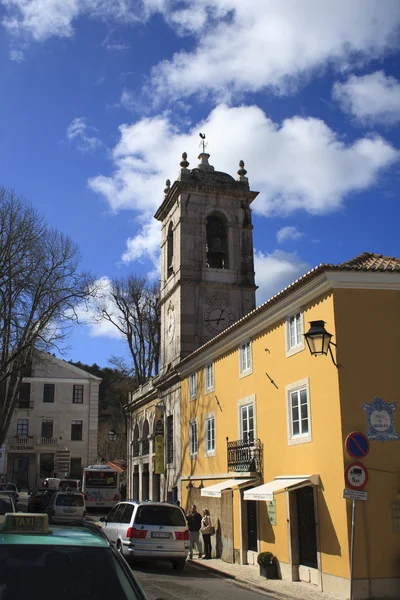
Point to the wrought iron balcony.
(135, 448)
(244, 456)
(145, 447)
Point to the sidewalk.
(250, 575)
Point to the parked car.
(156, 530)
(66, 507)
(7, 504)
(51, 483)
(10, 489)
(39, 499)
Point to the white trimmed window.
(193, 438)
(245, 362)
(209, 377)
(193, 386)
(210, 434)
(298, 412)
(247, 425)
(294, 334)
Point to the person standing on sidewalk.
(206, 532)
(194, 522)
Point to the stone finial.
(204, 164)
(242, 172)
(167, 186)
(184, 163)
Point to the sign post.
(356, 477)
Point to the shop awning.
(266, 491)
(216, 489)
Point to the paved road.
(193, 583)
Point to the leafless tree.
(136, 314)
(40, 287)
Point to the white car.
(66, 507)
(156, 530)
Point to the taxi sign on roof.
(25, 523)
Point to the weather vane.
(203, 143)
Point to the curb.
(247, 582)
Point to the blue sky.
(99, 98)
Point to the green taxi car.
(71, 562)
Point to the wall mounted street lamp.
(319, 340)
(112, 435)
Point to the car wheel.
(119, 548)
(179, 564)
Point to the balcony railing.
(145, 447)
(135, 448)
(244, 456)
(47, 441)
(22, 439)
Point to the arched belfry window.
(217, 242)
(170, 250)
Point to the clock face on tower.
(170, 328)
(218, 317)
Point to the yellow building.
(263, 428)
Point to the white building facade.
(54, 428)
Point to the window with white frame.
(193, 438)
(210, 433)
(247, 428)
(298, 412)
(294, 333)
(209, 377)
(245, 358)
(193, 386)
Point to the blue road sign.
(357, 444)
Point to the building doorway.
(145, 482)
(135, 483)
(20, 472)
(46, 466)
(307, 536)
(252, 527)
(156, 487)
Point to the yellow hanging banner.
(159, 441)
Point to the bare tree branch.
(39, 287)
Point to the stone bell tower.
(207, 265)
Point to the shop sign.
(271, 508)
(21, 448)
(380, 420)
(159, 441)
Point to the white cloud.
(300, 164)
(275, 271)
(258, 44)
(17, 56)
(373, 98)
(42, 19)
(146, 244)
(288, 233)
(77, 131)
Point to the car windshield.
(160, 515)
(67, 483)
(5, 506)
(78, 573)
(69, 500)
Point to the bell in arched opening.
(217, 243)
